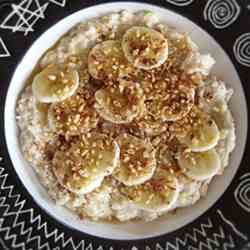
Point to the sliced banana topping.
(137, 160)
(200, 165)
(131, 124)
(82, 167)
(55, 84)
(158, 194)
(202, 132)
(145, 48)
(120, 103)
(75, 115)
(106, 61)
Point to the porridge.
(122, 119)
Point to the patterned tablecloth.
(24, 225)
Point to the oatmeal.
(123, 119)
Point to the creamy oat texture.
(38, 138)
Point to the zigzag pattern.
(191, 240)
(2, 244)
(36, 222)
(16, 210)
(212, 243)
(193, 237)
(19, 204)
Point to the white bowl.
(133, 230)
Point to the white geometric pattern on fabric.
(242, 49)
(190, 239)
(180, 2)
(2, 244)
(221, 13)
(3, 49)
(36, 221)
(24, 16)
(25, 24)
(100, 248)
(242, 192)
(61, 3)
(229, 223)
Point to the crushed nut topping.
(127, 123)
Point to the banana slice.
(75, 115)
(145, 48)
(203, 133)
(159, 194)
(82, 167)
(200, 165)
(137, 160)
(120, 103)
(55, 84)
(106, 61)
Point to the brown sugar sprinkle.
(188, 123)
(166, 150)
(76, 114)
(81, 155)
(82, 216)
(179, 50)
(208, 96)
(168, 91)
(144, 49)
(134, 129)
(158, 185)
(135, 155)
(61, 81)
(171, 71)
(168, 82)
(124, 100)
(108, 62)
(173, 168)
(112, 129)
(76, 62)
(147, 125)
(170, 102)
(50, 150)
(160, 89)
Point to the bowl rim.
(22, 60)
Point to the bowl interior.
(224, 69)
